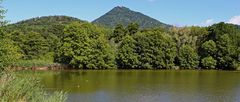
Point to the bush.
(209, 62)
(25, 89)
(9, 53)
(236, 65)
(209, 48)
(188, 57)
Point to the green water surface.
(143, 85)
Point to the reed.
(15, 88)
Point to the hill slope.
(45, 22)
(123, 15)
(48, 20)
(39, 37)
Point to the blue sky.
(175, 12)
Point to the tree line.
(83, 45)
(213, 47)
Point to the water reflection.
(145, 85)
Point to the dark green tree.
(9, 53)
(132, 28)
(209, 62)
(225, 54)
(118, 33)
(34, 45)
(227, 42)
(85, 46)
(188, 57)
(127, 56)
(54, 35)
(209, 48)
(156, 50)
(217, 30)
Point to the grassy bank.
(14, 88)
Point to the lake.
(144, 85)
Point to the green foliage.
(227, 41)
(183, 36)
(47, 26)
(9, 53)
(209, 62)
(2, 12)
(85, 46)
(42, 24)
(118, 33)
(188, 57)
(15, 88)
(126, 16)
(34, 46)
(209, 48)
(188, 35)
(12, 87)
(156, 50)
(43, 32)
(127, 56)
(217, 30)
(34, 49)
(132, 28)
(225, 52)
(236, 65)
(147, 50)
(73, 42)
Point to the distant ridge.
(48, 20)
(43, 25)
(123, 15)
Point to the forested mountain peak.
(120, 7)
(125, 16)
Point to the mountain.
(42, 24)
(123, 15)
(46, 21)
(44, 32)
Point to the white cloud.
(235, 20)
(208, 22)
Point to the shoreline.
(49, 68)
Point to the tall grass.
(15, 88)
